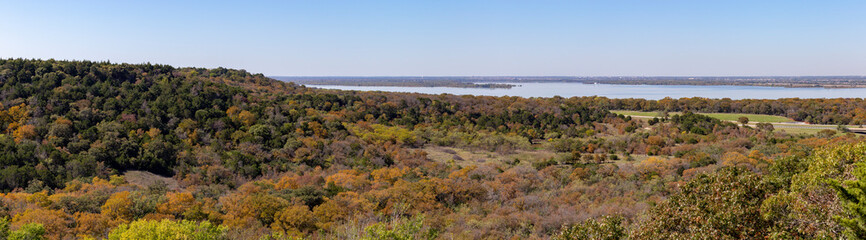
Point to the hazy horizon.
(573, 76)
(451, 38)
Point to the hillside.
(243, 156)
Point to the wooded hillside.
(242, 156)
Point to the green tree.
(722, 205)
(4, 227)
(30, 231)
(608, 228)
(852, 196)
(400, 229)
(743, 120)
(765, 127)
(167, 230)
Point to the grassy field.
(146, 179)
(720, 116)
(637, 113)
(799, 130)
(752, 117)
(465, 157)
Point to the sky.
(450, 38)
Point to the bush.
(400, 229)
(608, 228)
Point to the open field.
(146, 179)
(779, 122)
(799, 130)
(638, 113)
(720, 116)
(466, 157)
(752, 117)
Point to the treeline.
(850, 111)
(771, 81)
(396, 81)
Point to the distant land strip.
(509, 81)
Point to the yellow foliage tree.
(349, 179)
(118, 207)
(249, 204)
(287, 182)
(176, 204)
(14, 117)
(56, 222)
(91, 224)
(247, 118)
(341, 207)
(295, 218)
(389, 174)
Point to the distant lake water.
(625, 91)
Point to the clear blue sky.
(411, 38)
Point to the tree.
(168, 230)
(176, 204)
(608, 228)
(91, 224)
(4, 227)
(852, 196)
(55, 223)
(722, 205)
(765, 127)
(247, 118)
(14, 117)
(251, 205)
(30, 231)
(118, 206)
(743, 120)
(26, 131)
(842, 128)
(400, 229)
(295, 218)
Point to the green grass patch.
(721, 116)
(752, 117)
(637, 113)
(799, 130)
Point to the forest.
(100, 150)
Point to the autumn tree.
(56, 223)
(607, 228)
(176, 204)
(722, 205)
(91, 224)
(119, 206)
(295, 218)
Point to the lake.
(625, 91)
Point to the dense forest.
(98, 150)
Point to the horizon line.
(570, 76)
